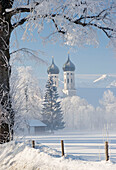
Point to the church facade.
(69, 76)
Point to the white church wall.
(69, 83)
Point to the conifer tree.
(52, 114)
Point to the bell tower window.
(67, 80)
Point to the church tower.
(69, 78)
(53, 72)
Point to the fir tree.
(52, 114)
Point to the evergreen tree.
(52, 114)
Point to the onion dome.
(69, 66)
(53, 69)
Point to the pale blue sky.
(88, 60)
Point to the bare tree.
(76, 21)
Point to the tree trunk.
(6, 113)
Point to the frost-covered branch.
(31, 53)
(69, 17)
(22, 9)
(21, 22)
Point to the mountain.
(102, 78)
(112, 84)
(93, 90)
(105, 81)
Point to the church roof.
(35, 122)
(53, 69)
(69, 66)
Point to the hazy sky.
(87, 60)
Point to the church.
(69, 76)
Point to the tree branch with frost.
(59, 30)
(85, 24)
(104, 29)
(99, 16)
(61, 11)
(27, 8)
(19, 23)
(31, 53)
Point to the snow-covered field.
(84, 146)
(83, 151)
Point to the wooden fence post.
(62, 147)
(106, 151)
(33, 144)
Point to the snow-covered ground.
(83, 151)
(85, 146)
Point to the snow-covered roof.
(35, 122)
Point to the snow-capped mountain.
(105, 81)
(112, 84)
(102, 81)
(103, 77)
